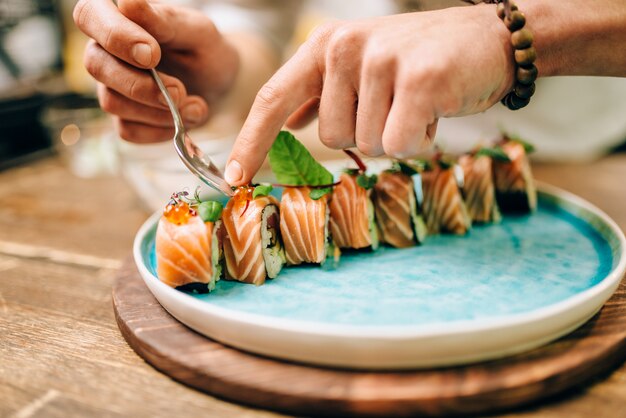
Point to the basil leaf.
(365, 181)
(262, 190)
(495, 153)
(316, 194)
(293, 164)
(210, 211)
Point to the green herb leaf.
(495, 153)
(365, 181)
(316, 194)
(351, 171)
(528, 147)
(406, 167)
(293, 164)
(210, 211)
(262, 190)
(445, 163)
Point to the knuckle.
(378, 63)
(107, 101)
(81, 13)
(268, 96)
(125, 130)
(330, 137)
(369, 148)
(323, 32)
(92, 60)
(345, 38)
(400, 149)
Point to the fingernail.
(192, 113)
(234, 172)
(142, 54)
(174, 93)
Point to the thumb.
(177, 27)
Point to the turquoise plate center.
(520, 265)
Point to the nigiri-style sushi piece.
(515, 187)
(352, 219)
(304, 226)
(252, 243)
(398, 213)
(478, 188)
(188, 250)
(443, 207)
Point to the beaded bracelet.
(525, 54)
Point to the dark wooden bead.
(521, 39)
(526, 75)
(524, 91)
(514, 102)
(516, 21)
(525, 56)
(518, 102)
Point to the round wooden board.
(241, 377)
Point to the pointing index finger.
(293, 84)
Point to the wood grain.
(242, 377)
(61, 353)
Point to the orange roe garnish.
(178, 213)
(243, 194)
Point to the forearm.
(578, 37)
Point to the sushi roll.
(478, 187)
(253, 249)
(188, 249)
(398, 213)
(352, 218)
(515, 187)
(304, 226)
(443, 207)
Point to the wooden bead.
(525, 56)
(514, 102)
(524, 91)
(516, 21)
(526, 75)
(522, 38)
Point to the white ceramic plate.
(501, 290)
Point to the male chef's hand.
(196, 63)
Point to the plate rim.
(411, 331)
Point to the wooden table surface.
(61, 354)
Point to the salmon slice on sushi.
(352, 216)
(478, 188)
(515, 186)
(305, 203)
(304, 225)
(253, 249)
(443, 208)
(398, 211)
(188, 245)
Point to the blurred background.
(48, 105)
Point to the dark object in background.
(22, 135)
(30, 53)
